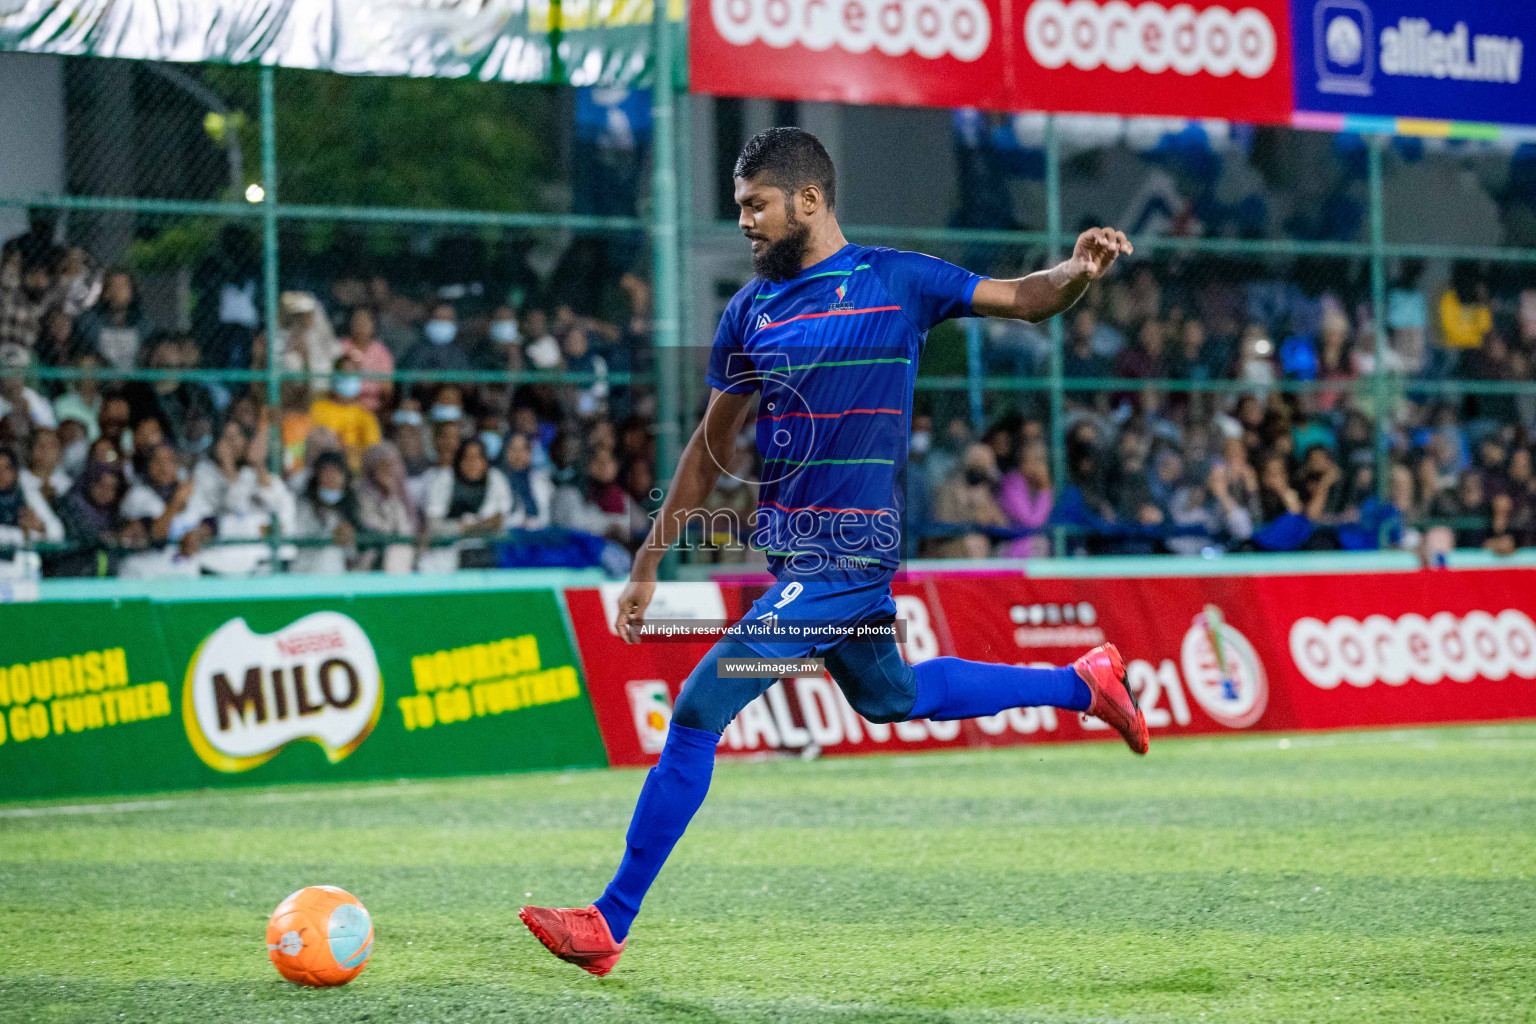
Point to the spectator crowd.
(1243, 417)
(1219, 406)
(348, 469)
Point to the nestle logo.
(310, 643)
(1150, 37)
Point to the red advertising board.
(1206, 655)
(1192, 59)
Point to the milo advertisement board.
(139, 695)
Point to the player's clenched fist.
(1096, 251)
(632, 604)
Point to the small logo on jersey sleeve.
(762, 321)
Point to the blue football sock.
(949, 688)
(672, 793)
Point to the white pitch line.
(114, 808)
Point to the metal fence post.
(1380, 382)
(664, 248)
(1057, 334)
(973, 373)
(269, 287)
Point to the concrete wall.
(31, 131)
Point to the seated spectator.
(1081, 361)
(966, 507)
(25, 515)
(474, 500)
(596, 505)
(1276, 495)
(160, 504)
(44, 473)
(27, 291)
(173, 401)
(93, 525)
(233, 486)
(342, 411)
(409, 436)
(307, 341)
(1130, 489)
(591, 399)
(1256, 364)
(1212, 509)
(112, 328)
(371, 356)
(1025, 497)
(1465, 317)
(446, 439)
(542, 348)
(505, 335)
(81, 398)
(1143, 360)
(385, 508)
(1514, 505)
(326, 509)
(531, 486)
(15, 395)
(438, 348)
(58, 342)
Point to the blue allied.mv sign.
(1457, 61)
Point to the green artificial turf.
(1349, 877)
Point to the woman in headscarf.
(384, 507)
(326, 509)
(475, 500)
(93, 524)
(25, 518)
(162, 502)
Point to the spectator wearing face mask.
(25, 517)
(362, 343)
(474, 500)
(342, 411)
(543, 350)
(505, 335)
(409, 436)
(439, 347)
(326, 509)
(161, 503)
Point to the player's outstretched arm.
(1045, 293)
(706, 455)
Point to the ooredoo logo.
(1393, 651)
(1223, 672)
(1151, 37)
(929, 28)
(248, 695)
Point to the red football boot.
(1113, 703)
(577, 935)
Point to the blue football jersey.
(834, 352)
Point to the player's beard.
(782, 260)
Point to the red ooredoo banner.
(1193, 59)
(1206, 655)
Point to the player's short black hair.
(792, 158)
